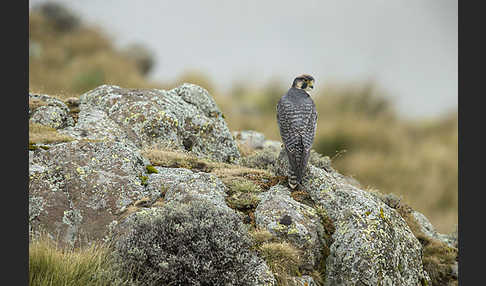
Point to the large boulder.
(184, 118)
(373, 244)
(77, 188)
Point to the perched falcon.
(297, 121)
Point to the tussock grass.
(283, 259)
(49, 264)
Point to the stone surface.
(179, 184)
(49, 111)
(250, 138)
(429, 230)
(184, 118)
(372, 245)
(303, 228)
(76, 188)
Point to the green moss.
(32, 146)
(151, 169)
(143, 180)
(243, 201)
(237, 185)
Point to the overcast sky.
(408, 47)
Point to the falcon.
(297, 122)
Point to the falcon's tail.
(298, 164)
(293, 181)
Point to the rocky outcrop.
(373, 244)
(97, 185)
(185, 118)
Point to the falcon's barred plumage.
(297, 121)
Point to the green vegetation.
(151, 169)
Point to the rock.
(273, 145)
(95, 187)
(76, 189)
(303, 229)
(429, 230)
(260, 159)
(184, 118)
(49, 111)
(179, 184)
(372, 245)
(250, 138)
(304, 280)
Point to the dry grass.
(180, 159)
(281, 257)
(39, 133)
(50, 264)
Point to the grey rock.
(304, 231)
(76, 189)
(372, 245)
(260, 159)
(304, 280)
(184, 118)
(429, 230)
(182, 185)
(273, 145)
(252, 139)
(54, 113)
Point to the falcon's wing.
(310, 125)
(288, 123)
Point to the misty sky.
(408, 47)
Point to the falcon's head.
(305, 82)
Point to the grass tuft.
(39, 133)
(49, 264)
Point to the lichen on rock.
(184, 118)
